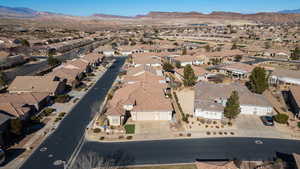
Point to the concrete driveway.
(252, 126)
(152, 127)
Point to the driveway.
(252, 126)
(152, 127)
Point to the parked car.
(267, 120)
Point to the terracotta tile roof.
(286, 73)
(186, 58)
(145, 77)
(147, 97)
(224, 53)
(146, 59)
(199, 71)
(34, 84)
(64, 73)
(24, 98)
(134, 71)
(207, 93)
(238, 67)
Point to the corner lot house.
(141, 102)
(210, 100)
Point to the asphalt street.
(260, 59)
(189, 150)
(61, 144)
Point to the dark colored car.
(267, 120)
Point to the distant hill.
(292, 16)
(17, 12)
(296, 11)
(107, 16)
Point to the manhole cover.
(259, 142)
(50, 155)
(43, 149)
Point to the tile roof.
(33, 84)
(206, 95)
(238, 67)
(199, 71)
(286, 73)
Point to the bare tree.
(92, 160)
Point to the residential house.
(135, 71)
(106, 50)
(285, 77)
(141, 102)
(294, 100)
(128, 50)
(184, 60)
(225, 56)
(149, 59)
(23, 105)
(236, 70)
(36, 84)
(210, 100)
(144, 77)
(73, 71)
(200, 73)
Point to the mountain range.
(157, 17)
(295, 11)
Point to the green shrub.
(299, 124)
(130, 128)
(97, 130)
(57, 119)
(281, 118)
(48, 111)
(62, 114)
(62, 98)
(129, 137)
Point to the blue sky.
(133, 7)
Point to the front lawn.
(130, 128)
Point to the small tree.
(207, 48)
(184, 51)
(237, 58)
(267, 45)
(3, 79)
(168, 67)
(189, 76)
(232, 109)
(281, 118)
(53, 61)
(258, 80)
(234, 46)
(178, 65)
(16, 126)
(296, 54)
